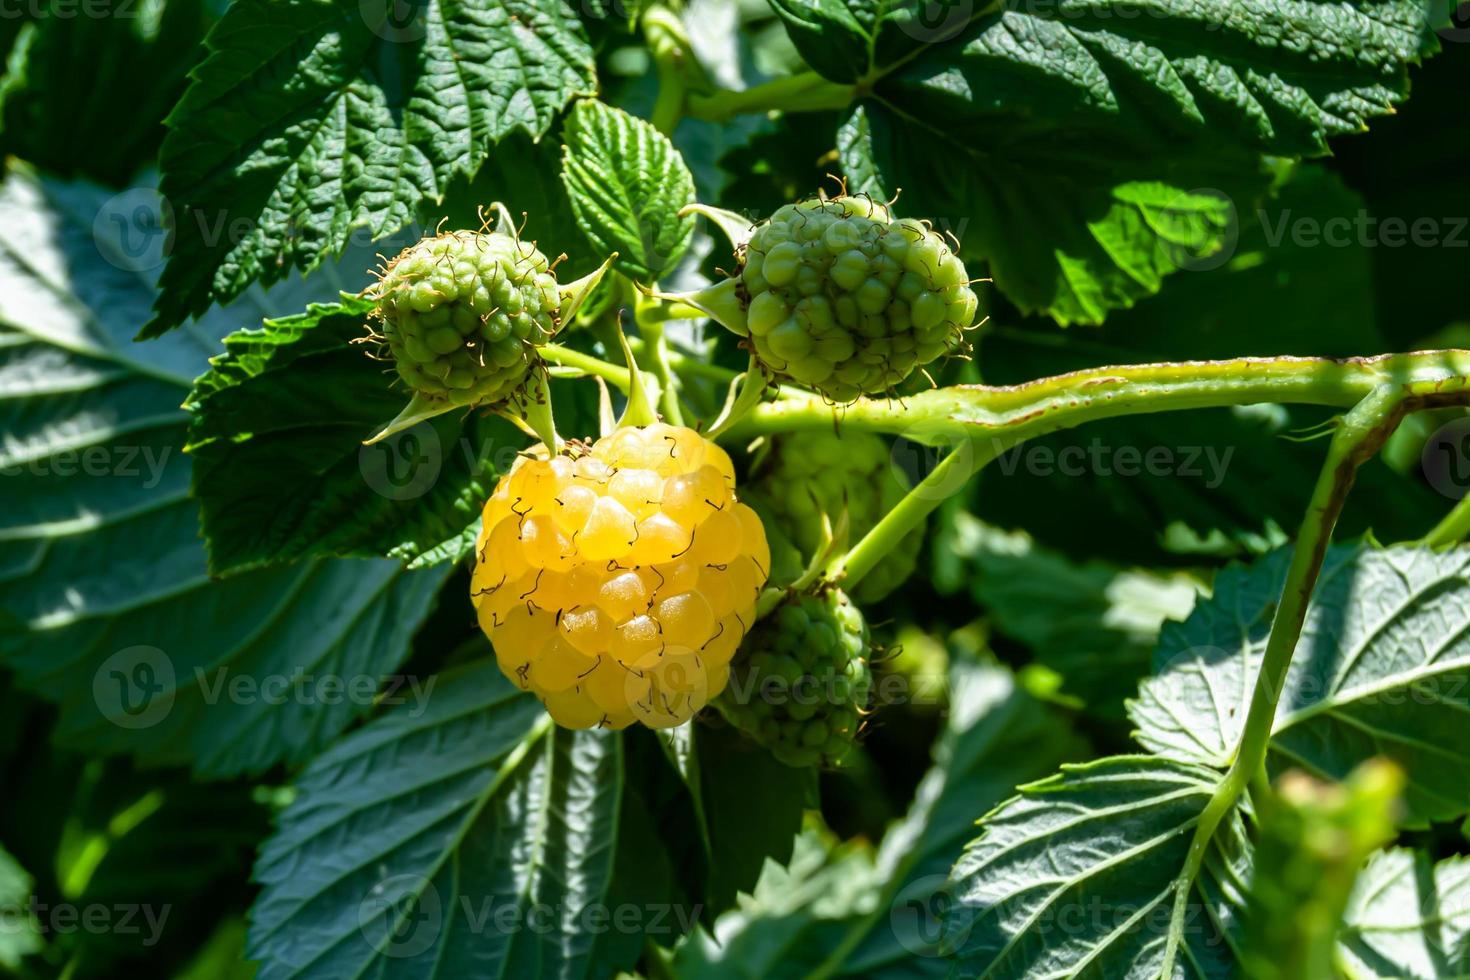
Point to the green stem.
(803, 92)
(944, 481)
(1453, 529)
(613, 374)
(653, 335)
(1001, 417)
(673, 59)
(1360, 433)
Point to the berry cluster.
(802, 681)
(463, 312)
(846, 299)
(616, 581)
(811, 474)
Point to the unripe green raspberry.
(801, 683)
(848, 300)
(808, 474)
(463, 313)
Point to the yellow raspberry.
(616, 582)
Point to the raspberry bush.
(706, 491)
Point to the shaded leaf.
(1086, 154)
(874, 914)
(108, 607)
(1094, 624)
(86, 91)
(471, 836)
(1409, 917)
(280, 469)
(1068, 238)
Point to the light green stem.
(613, 374)
(1453, 529)
(803, 92)
(673, 58)
(653, 336)
(1002, 417)
(945, 480)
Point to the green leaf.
(1273, 79)
(473, 837)
(280, 469)
(1080, 875)
(1086, 154)
(20, 934)
(741, 836)
(1314, 838)
(1382, 668)
(1263, 294)
(106, 603)
(311, 119)
(874, 915)
(86, 91)
(791, 921)
(1409, 918)
(1069, 238)
(627, 184)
